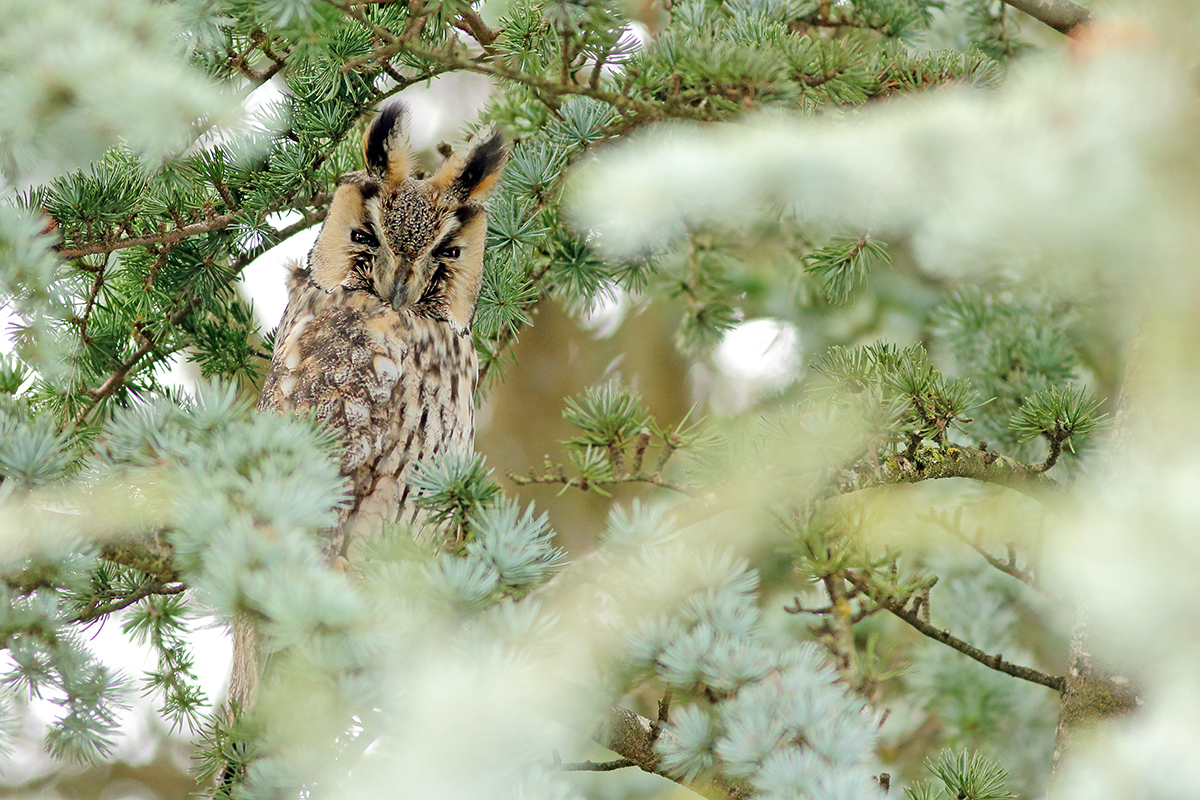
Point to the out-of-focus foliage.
(963, 238)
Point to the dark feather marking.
(377, 138)
(482, 161)
(432, 304)
(465, 214)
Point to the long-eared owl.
(376, 338)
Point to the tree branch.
(632, 737)
(476, 26)
(117, 378)
(1009, 567)
(147, 553)
(1094, 692)
(169, 237)
(839, 638)
(1055, 682)
(954, 461)
(96, 609)
(584, 484)
(595, 766)
(483, 65)
(1062, 15)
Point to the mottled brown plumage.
(376, 338)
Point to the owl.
(376, 338)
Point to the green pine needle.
(609, 414)
(972, 777)
(1058, 413)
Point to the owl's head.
(417, 244)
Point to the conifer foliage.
(775, 609)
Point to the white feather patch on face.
(448, 224)
(329, 255)
(464, 292)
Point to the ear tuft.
(385, 146)
(473, 173)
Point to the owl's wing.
(341, 365)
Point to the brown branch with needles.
(915, 619)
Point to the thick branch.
(1057, 683)
(953, 461)
(1094, 693)
(476, 26)
(1062, 15)
(149, 554)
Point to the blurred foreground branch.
(1062, 15)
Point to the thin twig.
(483, 65)
(117, 377)
(1056, 440)
(379, 30)
(664, 713)
(1009, 567)
(584, 484)
(943, 635)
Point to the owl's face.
(416, 244)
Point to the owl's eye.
(359, 236)
(451, 253)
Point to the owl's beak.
(396, 280)
(400, 295)
(410, 282)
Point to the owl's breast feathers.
(398, 387)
